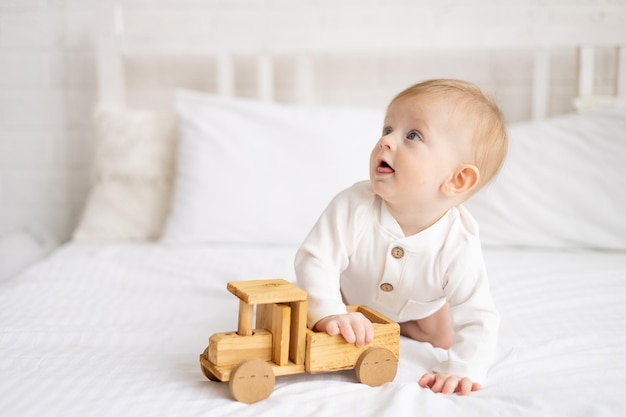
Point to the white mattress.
(115, 330)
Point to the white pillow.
(132, 175)
(563, 185)
(600, 104)
(258, 172)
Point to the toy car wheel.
(376, 366)
(251, 381)
(205, 370)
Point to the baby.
(403, 244)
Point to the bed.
(218, 190)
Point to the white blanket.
(116, 330)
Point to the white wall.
(48, 71)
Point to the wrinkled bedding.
(116, 329)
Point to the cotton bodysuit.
(358, 250)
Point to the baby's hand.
(354, 327)
(448, 384)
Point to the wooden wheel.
(376, 366)
(251, 381)
(205, 370)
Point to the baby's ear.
(461, 181)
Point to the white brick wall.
(48, 71)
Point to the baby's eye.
(386, 131)
(414, 136)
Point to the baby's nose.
(385, 143)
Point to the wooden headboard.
(265, 54)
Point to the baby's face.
(422, 144)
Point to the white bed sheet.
(116, 330)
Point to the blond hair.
(479, 112)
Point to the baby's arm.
(354, 327)
(475, 323)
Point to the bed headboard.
(285, 65)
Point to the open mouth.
(384, 168)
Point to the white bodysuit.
(358, 249)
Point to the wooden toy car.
(281, 344)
